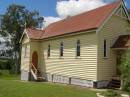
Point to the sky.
(45, 7)
(54, 10)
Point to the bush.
(126, 86)
(0, 73)
(111, 93)
(5, 64)
(125, 69)
(12, 67)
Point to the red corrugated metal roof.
(89, 20)
(34, 33)
(122, 42)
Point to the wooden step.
(114, 84)
(116, 80)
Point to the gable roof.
(34, 33)
(123, 41)
(83, 22)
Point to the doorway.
(35, 59)
(119, 55)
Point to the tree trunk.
(17, 62)
(122, 84)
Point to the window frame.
(105, 55)
(49, 51)
(61, 49)
(78, 48)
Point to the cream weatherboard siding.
(115, 27)
(25, 60)
(36, 46)
(91, 68)
(25, 39)
(83, 67)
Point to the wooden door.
(35, 59)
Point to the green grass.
(4, 74)
(11, 86)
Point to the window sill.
(48, 58)
(61, 57)
(78, 57)
(105, 57)
(26, 57)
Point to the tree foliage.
(125, 68)
(13, 23)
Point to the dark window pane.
(78, 48)
(105, 52)
(49, 50)
(61, 49)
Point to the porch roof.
(123, 42)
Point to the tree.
(125, 69)
(129, 12)
(13, 23)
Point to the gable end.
(121, 6)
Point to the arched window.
(78, 48)
(61, 49)
(49, 50)
(105, 48)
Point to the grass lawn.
(11, 86)
(4, 75)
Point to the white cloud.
(74, 7)
(50, 19)
(67, 8)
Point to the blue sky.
(45, 7)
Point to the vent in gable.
(121, 12)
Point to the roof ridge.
(118, 1)
(81, 22)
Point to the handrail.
(34, 75)
(35, 70)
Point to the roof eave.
(120, 48)
(23, 35)
(71, 33)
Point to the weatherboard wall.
(83, 67)
(113, 28)
(25, 60)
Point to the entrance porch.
(121, 47)
(35, 72)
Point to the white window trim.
(60, 49)
(77, 57)
(105, 57)
(49, 48)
